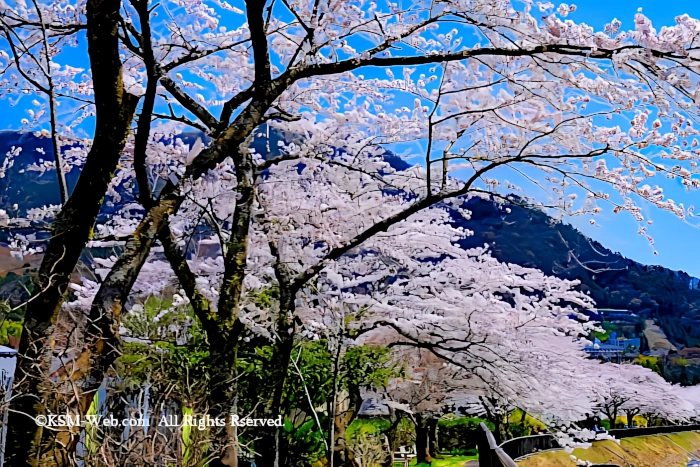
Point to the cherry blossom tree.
(587, 115)
(634, 390)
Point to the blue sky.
(674, 239)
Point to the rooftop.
(7, 351)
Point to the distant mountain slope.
(528, 237)
(26, 188)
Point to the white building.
(8, 360)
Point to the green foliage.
(159, 360)
(306, 442)
(265, 298)
(368, 435)
(452, 461)
(310, 389)
(367, 425)
(649, 362)
(306, 439)
(314, 362)
(471, 453)
(601, 336)
(516, 430)
(7, 278)
(449, 421)
(516, 416)
(458, 434)
(369, 366)
(11, 321)
(186, 432)
(608, 328)
(90, 429)
(24, 287)
(361, 367)
(9, 328)
(141, 323)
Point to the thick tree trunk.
(343, 419)
(422, 440)
(229, 327)
(229, 454)
(221, 400)
(630, 414)
(273, 444)
(223, 328)
(392, 435)
(28, 444)
(501, 429)
(235, 260)
(432, 436)
(612, 416)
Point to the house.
(624, 342)
(608, 352)
(690, 353)
(618, 316)
(614, 349)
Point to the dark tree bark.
(501, 425)
(28, 444)
(611, 412)
(341, 452)
(272, 442)
(422, 440)
(392, 435)
(229, 328)
(630, 414)
(143, 130)
(432, 436)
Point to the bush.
(9, 328)
(365, 440)
(457, 435)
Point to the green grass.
(451, 461)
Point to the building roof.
(373, 408)
(689, 351)
(7, 352)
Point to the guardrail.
(490, 453)
(526, 445)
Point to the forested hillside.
(613, 281)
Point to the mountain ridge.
(613, 281)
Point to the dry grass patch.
(644, 451)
